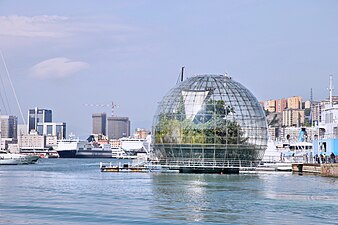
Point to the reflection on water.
(198, 197)
(74, 191)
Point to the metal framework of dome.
(209, 122)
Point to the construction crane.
(112, 105)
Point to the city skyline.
(61, 56)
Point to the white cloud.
(36, 26)
(47, 26)
(59, 67)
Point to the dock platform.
(122, 168)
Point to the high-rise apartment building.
(36, 116)
(9, 126)
(293, 117)
(118, 127)
(99, 123)
(295, 102)
(281, 105)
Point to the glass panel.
(209, 117)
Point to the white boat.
(75, 148)
(119, 153)
(17, 159)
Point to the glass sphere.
(209, 120)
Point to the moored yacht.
(16, 159)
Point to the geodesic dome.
(209, 120)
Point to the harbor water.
(74, 191)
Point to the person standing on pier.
(333, 158)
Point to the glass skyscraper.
(36, 116)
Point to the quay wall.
(329, 170)
(312, 168)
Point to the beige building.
(293, 117)
(295, 102)
(32, 141)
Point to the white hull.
(17, 159)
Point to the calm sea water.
(74, 191)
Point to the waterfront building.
(294, 102)
(36, 116)
(99, 123)
(57, 129)
(293, 117)
(209, 123)
(118, 127)
(9, 126)
(32, 141)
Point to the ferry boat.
(75, 148)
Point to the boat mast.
(331, 91)
(10, 81)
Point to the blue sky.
(65, 54)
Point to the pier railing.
(219, 164)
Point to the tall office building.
(57, 129)
(99, 123)
(9, 125)
(118, 127)
(36, 116)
